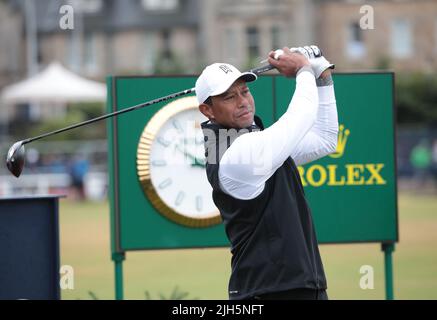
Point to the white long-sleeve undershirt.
(306, 131)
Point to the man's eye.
(245, 92)
(229, 97)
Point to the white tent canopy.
(55, 84)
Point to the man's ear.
(206, 110)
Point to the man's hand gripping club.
(314, 55)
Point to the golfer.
(254, 176)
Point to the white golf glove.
(315, 57)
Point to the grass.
(204, 273)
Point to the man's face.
(234, 108)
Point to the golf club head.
(15, 158)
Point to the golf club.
(15, 159)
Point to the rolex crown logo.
(342, 140)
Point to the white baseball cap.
(217, 78)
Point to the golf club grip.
(262, 69)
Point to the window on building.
(149, 52)
(275, 35)
(160, 5)
(253, 42)
(230, 47)
(90, 6)
(90, 52)
(166, 45)
(401, 38)
(435, 36)
(73, 56)
(355, 47)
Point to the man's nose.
(243, 101)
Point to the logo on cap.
(225, 68)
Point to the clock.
(171, 165)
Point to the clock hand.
(197, 162)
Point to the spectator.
(420, 159)
(434, 162)
(78, 170)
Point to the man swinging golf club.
(254, 176)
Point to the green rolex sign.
(159, 201)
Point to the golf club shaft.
(257, 71)
(105, 116)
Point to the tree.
(416, 98)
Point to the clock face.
(171, 165)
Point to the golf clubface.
(15, 158)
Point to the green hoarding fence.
(352, 193)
